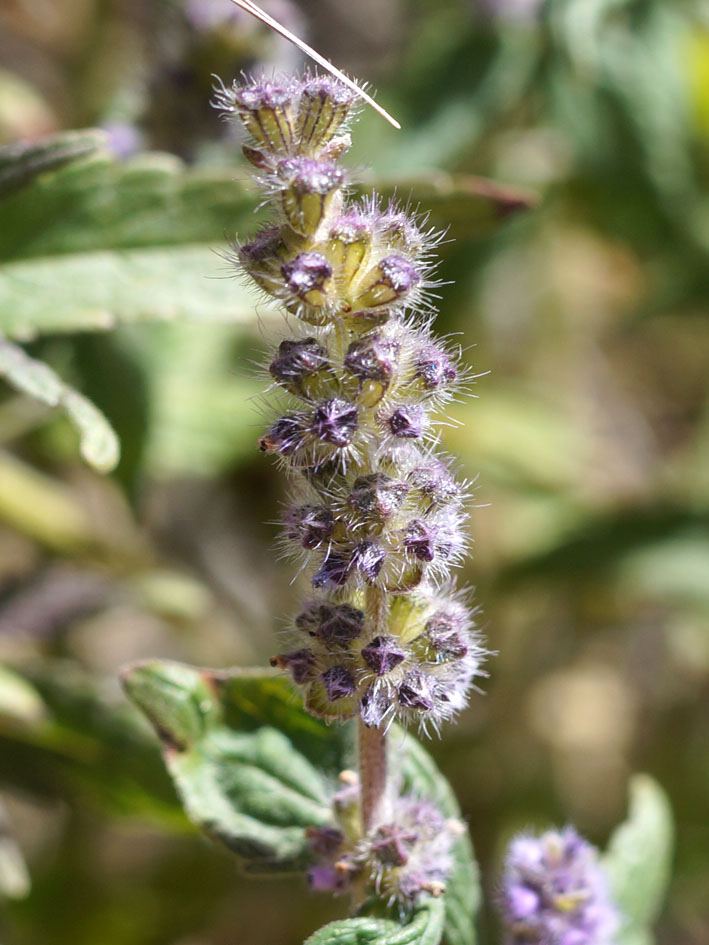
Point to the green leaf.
(19, 700)
(463, 894)
(93, 291)
(638, 860)
(78, 744)
(251, 768)
(238, 775)
(21, 163)
(100, 203)
(424, 928)
(99, 444)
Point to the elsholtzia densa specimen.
(375, 512)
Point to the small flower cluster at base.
(400, 860)
(373, 510)
(555, 892)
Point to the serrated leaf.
(424, 928)
(99, 444)
(638, 860)
(251, 789)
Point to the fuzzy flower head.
(409, 855)
(555, 892)
(373, 512)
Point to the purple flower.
(555, 891)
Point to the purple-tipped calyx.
(309, 525)
(377, 496)
(298, 359)
(335, 421)
(434, 367)
(373, 358)
(382, 655)
(338, 683)
(300, 664)
(308, 272)
(407, 422)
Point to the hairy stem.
(375, 799)
(373, 776)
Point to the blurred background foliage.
(580, 285)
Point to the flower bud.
(335, 421)
(368, 559)
(338, 683)
(335, 625)
(434, 368)
(382, 655)
(376, 704)
(389, 281)
(373, 357)
(445, 633)
(434, 480)
(300, 664)
(407, 421)
(307, 277)
(377, 497)
(264, 109)
(324, 107)
(392, 845)
(307, 187)
(341, 626)
(334, 570)
(309, 525)
(420, 540)
(285, 437)
(416, 691)
(262, 259)
(297, 363)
